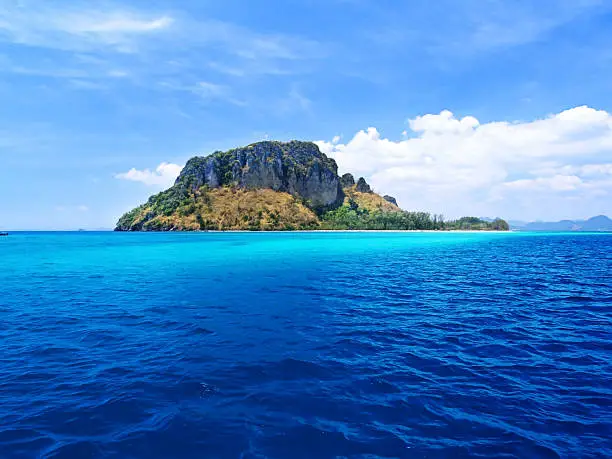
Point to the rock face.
(362, 186)
(347, 180)
(298, 168)
(390, 199)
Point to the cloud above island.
(163, 176)
(458, 165)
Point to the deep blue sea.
(305, 345)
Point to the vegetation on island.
(225, 208)
(352, 217)
(279, 186)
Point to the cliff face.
(297, 168)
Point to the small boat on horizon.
(3, 234)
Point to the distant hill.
(598, 223)
(278, 186)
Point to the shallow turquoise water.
(305, 345)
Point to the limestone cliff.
(297, 168)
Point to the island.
(279, 186)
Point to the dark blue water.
(305, 345)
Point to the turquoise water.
(304, 345)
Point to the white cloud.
(84, 27)
(594, 170)
(555, 183)
(444, 122)
(114, 23)
(163, 176)
(71, 28)
(458, 166)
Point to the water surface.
(305, 345)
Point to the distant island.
(598, 223)
(276, 186)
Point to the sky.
(480, 107)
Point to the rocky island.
(277, 186)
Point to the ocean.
(305, 345)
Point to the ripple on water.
(311, 345)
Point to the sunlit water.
(303, 345)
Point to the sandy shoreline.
(339, 231)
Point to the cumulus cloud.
(558, 166)
(163, 176)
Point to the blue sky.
(480, 107)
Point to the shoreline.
(266, 231)
(326, 231)
(339, 231)
(314, 231)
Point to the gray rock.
(347, 180)
(298, 168)
(390, 199)
(362, 186)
